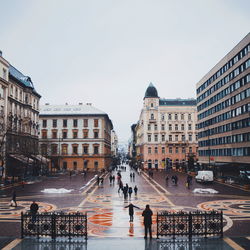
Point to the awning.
(22, 158)
(40, 158)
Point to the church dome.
(151, 91)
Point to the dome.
(151, 91)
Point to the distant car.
(205, 176)
(245, 174)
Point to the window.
(149, 126)
(189, 126)
(44, 134)
(65, 135)
(190, 137)
(152, 116)
(162, 117)
(163, 150)
(176, 117)
(4, 74)
(170, 126)
(156, 127)
(176, 137)
(156, 150)
(169, 117)
(54, 149)
(183, 150)
(96, 150)
(176, 127)
(176, 149)
(44, 123)
(64, 149)
(44, 149)
(189, 116)
(95, 122)
(190, 149)
(96, 134)
(85, 123)
(156, 137)
(85, 134)
(149, 138)
(152, 105)
(75, 149)
(163, 137)
(75, 165)
(54, 123)
(182, 116)
(183, 137)
(96, 165)
(75, 122)
(170, 137)
(149, 150)
(162, 126)
(182, 127)
(85, 149)
(54, 134)
(75, 134)
(170, 150)
(64, 123)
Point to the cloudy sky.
(107, 51)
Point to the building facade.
(166, 131)
(223, 104)
(4, 81)
(75, 137)
(20, 111)
(114, 143)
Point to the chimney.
(47, 104)
(66, 103)
(89, 104)
(80, 103)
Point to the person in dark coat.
(33, 210)
(130, 191)
(135, 189)
(147, 214)
(131, 211)
(14, 198)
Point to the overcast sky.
(108, 51)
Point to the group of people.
(132, 176)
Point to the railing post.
(190, 225)
(53, 226)
(22, 225)
(86, 226)
(221, 224)
(157, 225)
(205, 224)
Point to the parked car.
(245, 175)
(205, 176)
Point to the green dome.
(151, 91)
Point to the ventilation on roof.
(66, 103)
(47, 104)
(88, 103)
(80, 103)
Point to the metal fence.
(198, 223)
(54, 225)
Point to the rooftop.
(177, 102)
(151, 91)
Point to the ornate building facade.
(75, 137)
(165, 134)
(20, 127)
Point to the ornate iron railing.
(197, 223)
(54, 225)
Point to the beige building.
(114, 143)
(165, 134)
(223, 104)
(76, 137)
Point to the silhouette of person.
(147, 214)
(131, 211)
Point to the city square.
(124, 125)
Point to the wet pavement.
(107, 215)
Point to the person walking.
(133, 176)
(33, 210)
(130, 191)
(125, 191)
(113, 180)
(131, 211)
(135, 190)
(120, 186)
(110, 179)
(13, 201)
(166, 179)
(147, 214)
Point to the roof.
(151, 91)
(177, 102)
(70, 110)
(25, 80)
